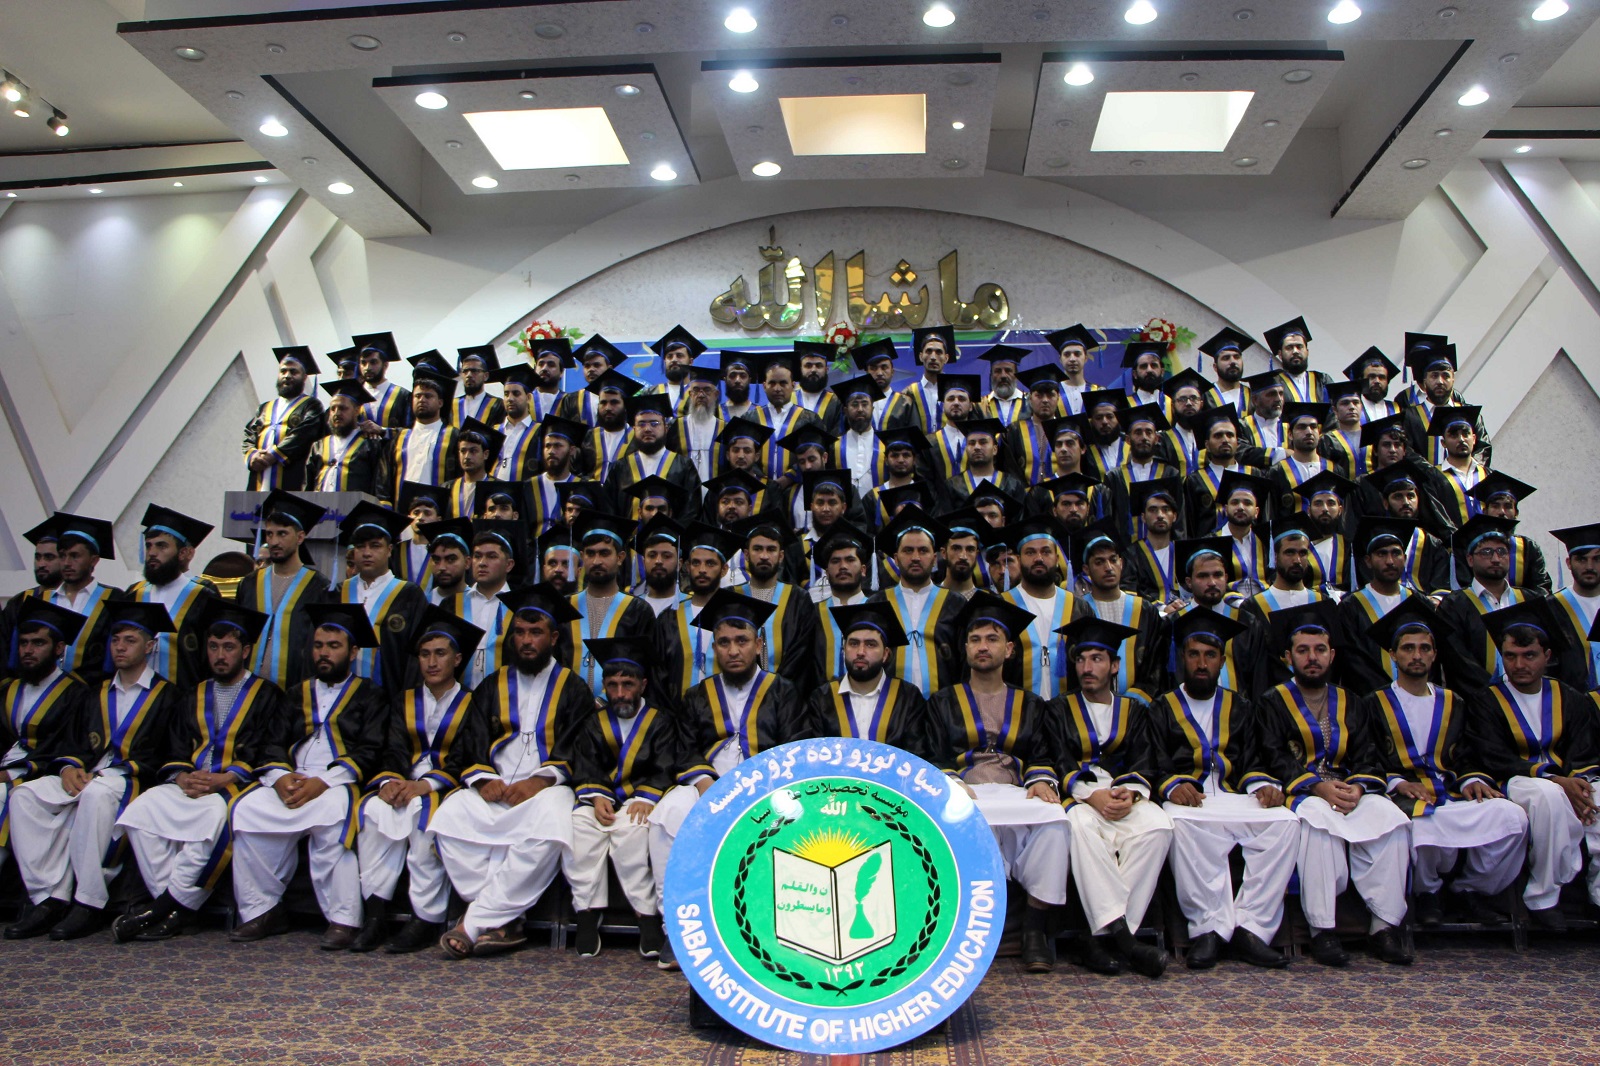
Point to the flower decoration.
(1165, 331)
(843, 338)
(542, 331)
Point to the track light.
(58, 124)
(11, 89)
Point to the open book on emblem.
(833, 897)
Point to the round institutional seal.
(835, 896)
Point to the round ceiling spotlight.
(97, 192)
(58, 124)
(1523, 149)
(627, 90)
(234, 94)
(432, 101)
(1550, 9)
(1443, 132)
(309, 160)
(1414, 164)
(573, 179)
(273, 128)
(193, 55)
(1246, 161)
(452, 144)
(1056, 162)
(341, 188)
(938, 16)
(1140, 13)
(1270, 123)
(1296, 76)
(740, 20)
(484, 181)
(664, 172)
(644, 27)
(954, 164)
(276, 49)
(261, 179)
(365, 42)
(1344, 12)
(1078, 74)
(766, 169)
(743, 82)
(177, 185)
(456, 38)
(549, 31)
(958, 125)
(1473, 96)
(527, 94)
(839, 20)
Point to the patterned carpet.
(202, 1000)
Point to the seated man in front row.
(1004, 745)
(865, 701)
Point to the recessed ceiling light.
(1169, 121)
(1550, 9)
(1056, 162)
(1523, 149)
(549, 31)
(456, 38)
(1078, 74)
(1246, 161)
(1344, 11)
(1270, 123)
(1443, 133)
(958, 125)
(1140, 12)
(452, 145)
(273, 128)
(1295, 77)
(627, 90)
(743, 82)
(573, 179)
(261, 179)
(11, 196)
(740, 21)
(276, 49)
(194, 55)
(549, 137)
(484, 181)
(177, 185)
(1473, 96)
(234, 94)
(663, 172)
(1414, 164)
(432, 101)
(97, 192)
(309, 160)
(938, 16)
(528, 94)
(765, 169)
(644, 27)
(341, 188)
(954, 164)
(874, 124)
(365, 42)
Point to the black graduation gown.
(776, 710)
(188, 662)
(358, 723)
(957, 490)
(240, 747)
(674, 670)
(902, 723)
(304, 423)
(397, 667)
(1144, 670)
(444, 462)
(1506, 748)
(1033, 738)
(1367, 502)
(1478, 655)
(1121, 481)
(792, 648)
(1527, 571)
(633, 619)
(1246, 665)
(1124, 757)
(1151, 573)
(1458, 766)
(938, 636)
(283, 658)
(395, 412)
(143, 748)
(56, 729)
(364, 467)
(407, 743)
(8, 627)
(88, 657)
(1200, 496)
(1292, 746)
(1179, 755)
(676, 470)
(601, 767)
(493, 720)
(493, 413)
(1416, 426)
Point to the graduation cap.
(1185, 553)
(1278, 334)
(1038, 527)
(911, 519)
(613, 381)
(556, 538)
(433, 362)
(1294, 412)
(1374, 431)
(1371, 357)
(1203, 622)
(598, 345)
(1227, 339)
(879, 617)
(1047, 378)
(1237, 480)
(455, 530)
(285, 508)
(658, 529)
(984, 606)
(726, 605)
(1481, 527)
(414, 492)
(1092, 632)
(557, 346)
(788, 360)
(1495, 483)
(704, 373)
(298, 353)
(1292, 525)
(1102, 531)
(1534, 612)
(867, 354)
(1445, 417)
(38, 611)
(917, 493)
(1078, 334)
(659, 402)
(1065, 424)
(1003, 353)
(44, 531)
(1408, 473)
(214, 610)
(741, 428)
(93, 533)
(768, 525)
(923, 334)
(861, 384)
(587, 494)
(344, 357)
(351, 387)
(490, 491)
(491, 440)
(965, 521)
(1264, 381)
(987, 491)
(1141, 493)
(382, 343)
(1133, 351)
(971, 384)
(1328, 482)
(1074, 484)
(366, 520)
(1422, 360)
(484, 353)
(1318, 616)
(1187, 378)
(657, 487)
(838, 480)
(903, 437)
(443, 381)
(541, 600)
(733, 481)
(565, 428)
(1579, 538)
(186, 530)
(1376, 531)
(349, 618)
(712, 538)
(1092, 398)
(809, 435)
(150, 617)
(678, 337)
(1411, 613)
(613, 652)
(1210, 416)
(1130, 416)
(816, 350)
(438, 622)
(511, 534)
(1338, 390)
(520, 374)
(992, 426)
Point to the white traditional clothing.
(1370, 846)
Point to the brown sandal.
(496, 941)
(456, 943)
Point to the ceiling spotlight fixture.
(958, 125)
(549, 31)
(954, 164)
(261, 179)
(11, 196)
(766, 169)
(1078, 74)
(1443, 133)
(1473, 96)
(309, 160)
(456, 38)
(1246, 161)
(432, 101)
(740, 20)
(194, 55)
(742, 82)
(1414, 164)
(484, 181)
(276, 49)
(1270, 123)
(273, 128)
(58, 124)
(627, 90)
(341, 188)
(938, 16)
(573, 179)
(365, 42)
(1344, 11)
(24, 105)
(1140, 12)
(528, 94)
(452, 144)
(1296, 76)
(97, 192)
(1550, 9)
(234, 94)
(663, 172)
(177, 185)
(645, 27)
(839, 20)
(1523, 149)
(11, 89)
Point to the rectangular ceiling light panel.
(541, 139)
(857, 125)
(1169, 121)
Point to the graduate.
(278, 438)
(1372, 372)
(596, 356)
(312, 775)
(933, 348)
(551, 358)
(1290, 345)
(1460, 471)
(170, 539)
(1028, 440)
(1119, 839)
(1204, 502)
(1302, 424)
(559, 442)
(864, 700)
(1380, 547)
(392, 605)
(422, 505)
(83, 542)
(345, 460)
(1003, 745)
(425, 451)
(678, 349)
(1432, 361)
(612, 432)
(222, 732)
(1073, 347)
(948, 443)
(1226, 349)
(283, 590)
(391, 405)
(1340, 442)
(1486, 544)
(1040, 665)
(602, 609)
(1332, 566)
(478, 452)
(1578, 604)
(1186, 393)
(505, 832)
(1499, 495)
(519, 459)
(811, 383)
(789, 633)
(1206, 567)
(476, 366)
(981, 439)
(925, 612)
(625, 756)
(497, 551)
(647, 454)
(684, 654)
(46, 576)
(1003, 400)
(1154, 510)
(1291, 566)
(1141, 666)
(858, 448)
(423, 728)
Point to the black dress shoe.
(650, 935)
(588, 939)
(668, 959)
(39, 920)
(1098, 956)
(338, 937)
(1146, 959)
(166, 928)
(374, 925)
(1548, 919)
(81, 921)
(1385, 946)
(1481, 910)
(1204, 951)
(1038, 953)
(261, 926)
(126, 927)
(1427, 910)
(414, 936)
(1326, 949)
(1247, 947)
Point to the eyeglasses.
(1493, 553)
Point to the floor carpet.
(201, 1000)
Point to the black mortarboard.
(484, 353)
(1371, 357)
(1372, 432)
(1497, 483)
(612, 380)
(1140, 492)
(809, 435)
(430, 374)
(151, 617)
(659, 402)
(1409, 612)
(780, 358)
(190, 531)
(457, 531)
(1408, 472)
(491, 440)
(344, 357)
(1047, 378)
(1424, 342)
(746, 428)
(841, 533)
(558, 346)
(1102, 531)
(1078, 334)
(1378, 530)
(520, 373)
(1422, 360)
(565, 428)
(1278, 334)
(1445, 417)
(351, 387)
(540, 599)
(382, 343)
(987, 491)
(712, 538)
(1065, 424)
(1210, 416)
(1077, 483)
(867, 354)
(839, 480)
(1292, 525)
(1227, 339)
(726, 605)
(704, 372)
(944, 333)
(300, 354)
(348, 618)
(678, 337)
(992, 426)
(413, 491)
(816, 350)
(433, 362)
(1535, 611)
(911, 519)
(984, 606)
(1482, 527)
(1144, 412)
(767, 524)
(1186, 552)
(1294, 412)
(1198, 621)
(621, 651)
(510, 533)
(214, 610)
(1187, 378)
(1234, 480)
(1038, 526)
(971, 384)
(660, 528)
(1003, 353)
(877, 616)
(1092, 632)
(1133, 351)
(294, 510)
(438, 622)
(95, 533)
(733, 481)
(1264, 381)
(903, 437)
(599, 345)
(861, 383)
(47, 530)
(1579, 538)
(1321, 616)
(587, 494)
(1338, 390)
(1328, 481)
(596, 525)
(555, 538)
(66, 625)
(918, 493)
(367, 518)
(1092, 398)
(656, 486)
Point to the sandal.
(496, 941)
(456, 943)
